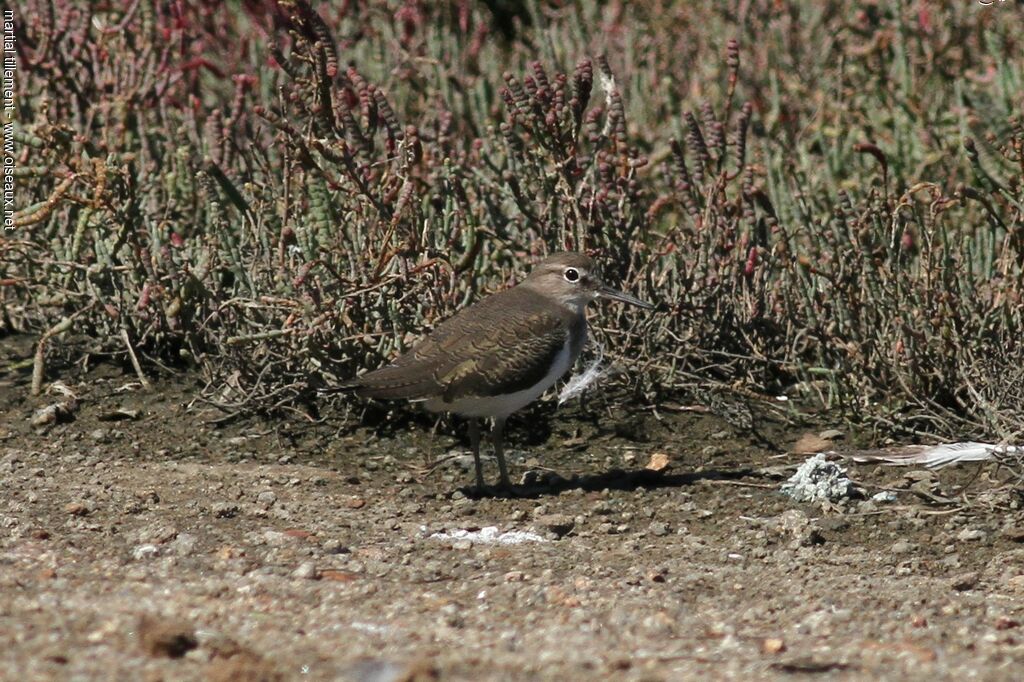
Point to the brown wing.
(502, 344)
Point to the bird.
(499, 354)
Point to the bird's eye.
(572, 275)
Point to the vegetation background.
(826, 199)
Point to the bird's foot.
(502, 490)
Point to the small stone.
(306, 571)
(559, 524)
(276, 538)
(147, 551)
(658, 529)
(224, 510)
(902, 547)
(266, 498)
(76, 508)
(183, 545)
(659, 461)
(773, 645)
(965, 581)
(462, 544)
(1014, 533)
(147, 496)
(335, 546)
(971, 534)
(157, 534)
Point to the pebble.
(335, 546)
(658, 529)
(76, 508)
(184, 544)
(224, 510)
(559, 524)
(969, 534)
(306, 571)
(267, 498)
(965, 581)
(1014, 533)
(275, 538)
(145, 552)
(902, 547)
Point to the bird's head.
(572, 279)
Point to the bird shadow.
(613, 479)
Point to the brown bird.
(501, 353)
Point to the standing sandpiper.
(501, 353)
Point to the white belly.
(504, 405)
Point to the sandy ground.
(139, 541)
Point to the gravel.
(175, 560)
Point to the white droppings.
(818, 479)
(487, 536)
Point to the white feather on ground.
(580, 382)
(938, 456)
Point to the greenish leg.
(497, 435)
(474, 443)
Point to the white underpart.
(504, 405)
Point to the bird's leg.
(474, 443)
(497, 435)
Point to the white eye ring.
(571, 275)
